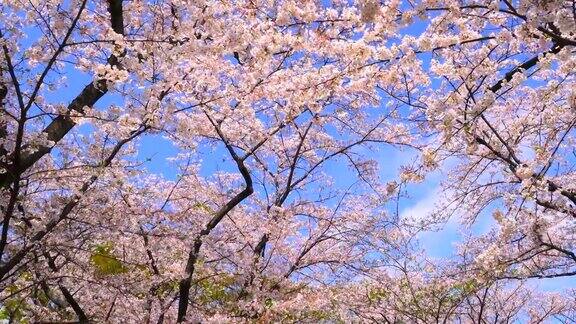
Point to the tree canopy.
(279, 119)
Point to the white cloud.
(437, 243)
(422, 208)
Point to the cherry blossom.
(272, 206)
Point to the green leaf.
(13, 309)
(203, 207)
(376, 295)
(105, 262)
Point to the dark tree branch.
(116, 16)
(522, 67)
(62, 124)
(82, 318)
(184, 289)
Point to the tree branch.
(62, 124)
(184, 289)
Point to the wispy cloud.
(437, 243)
